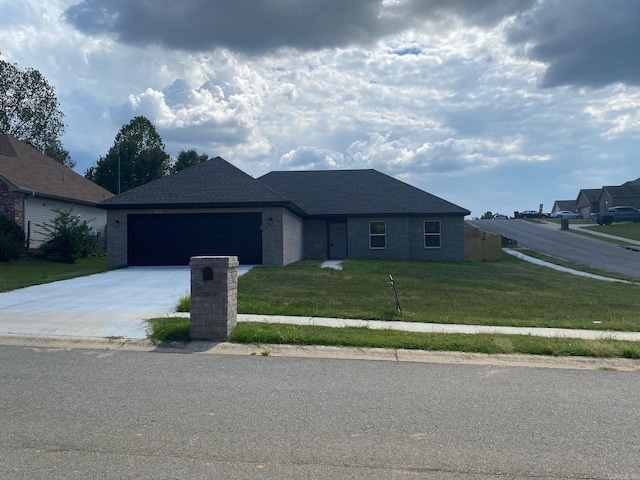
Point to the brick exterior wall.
(315, 239)
(214, 300)
(116, 231)
(11, 205)
(405, 239)
(293, 238)
(286, 238)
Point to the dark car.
(618, 214)
(529, 214)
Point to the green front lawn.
(625, 229)
(34, 271)
(510, 292)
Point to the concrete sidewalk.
(134, 326)
(445, 328)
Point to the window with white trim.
(377, 235)
(432, 234)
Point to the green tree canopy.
(188, 158)
(139, 151)
(29, 111)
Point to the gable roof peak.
(215, 181)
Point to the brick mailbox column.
(214, 286)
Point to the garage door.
(171, 239)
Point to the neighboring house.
(564, 205)
(587, 202)
(614, 196)
(216, 209)
(32, 185)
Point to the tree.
(29, 111)
(487, 216)
(136, 157)
(187, 159)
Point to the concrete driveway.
(114, 303)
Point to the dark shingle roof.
(591, 194)
(28, 171)
(628, 189)
(212, 183)
(568, 205)
(356, 192)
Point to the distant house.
(32, 185)
(216, 209)
(614, 196)
(564, 205)
(587, 202)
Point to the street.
(566, 245)
(78, 414)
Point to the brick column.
(214, 286)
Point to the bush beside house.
(12, 240)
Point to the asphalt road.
(78, 414)
(567, 245)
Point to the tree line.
(29, 110)
(137, 157)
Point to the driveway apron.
(114, 303)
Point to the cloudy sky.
(494, 105)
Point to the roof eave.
(178, 206)
(33, 193)
(389, 214)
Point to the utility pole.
(119, 168)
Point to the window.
(432, 234)
(377, 235)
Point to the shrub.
(68, 237)
(12, 240)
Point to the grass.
(577, 266)
(169, 329)
(184, 303)
(509, 292)
(34, 271)
(177, 329)
(628, 230)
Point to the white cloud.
(309, 158)
(441, 101)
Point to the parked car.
(618, 214)
(500, 216)
(529, 214)
(565, 214)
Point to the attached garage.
(171, 239)
(212, 208)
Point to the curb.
(325, 352)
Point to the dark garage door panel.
(171, 239)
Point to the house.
(214, 208)
(564, 205)
(614, 196)
(587, 202)
(33, 185)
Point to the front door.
(337, 241)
